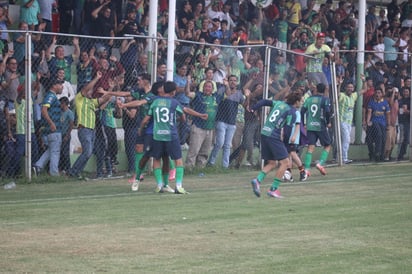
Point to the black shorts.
(323, 136)
(169, 148)
(273, 149)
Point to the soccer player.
(316, 113)
(292, 142)
(163, 111)
(273, 147)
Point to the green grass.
(357, 219)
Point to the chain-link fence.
(70, 65)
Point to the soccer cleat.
(168, 189)
(135, 185)
(180, 190)
(304, 175)
(256, 187)
(159, 189)
(172, 174)
(141, 178)
(321, 169)
(274, 193)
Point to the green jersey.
(163, 111)
(281, 114)
(316, 111)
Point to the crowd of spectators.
(287, 25)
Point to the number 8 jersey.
(281, 114)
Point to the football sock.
(275, 184)
(165, 179)
(261, 176)
(158, 176)
(138, 157)
(323, 157)
(171, 164)
(308, 160)
(180, 170)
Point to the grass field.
(357, 219)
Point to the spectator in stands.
(5, 22)
(281, 30)
(161, 72)
(84, 70)
(52, 130)
(129, 52)
(88, 8)
(67, 120)
(390, 55)
(255, 27)
(5, 129)
(68, 90)
(371, 20)
(29, 13)
(109, 68)
(46, 7)
(252, 123)
(208, 77)
(103, 25)
(392, 95)
(294, 14)
(377, 119)
(226, 120)
(11, 81)
(184, 15)
(318, 51)
(86, 122)
(60, 60)
(202, 131)
(66, 8)
(347, 100)
(204, 32)
(404, 122)
(131, 125)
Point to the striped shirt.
(21, 116)
(85, 108)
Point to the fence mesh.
(125, 65)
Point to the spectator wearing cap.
(215, 31)
(52, 136)
(215, 10)
(318, 50)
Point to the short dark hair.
(320, 88)
(145, 76)
(156, 86)
(64, 100)
(169, 86)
